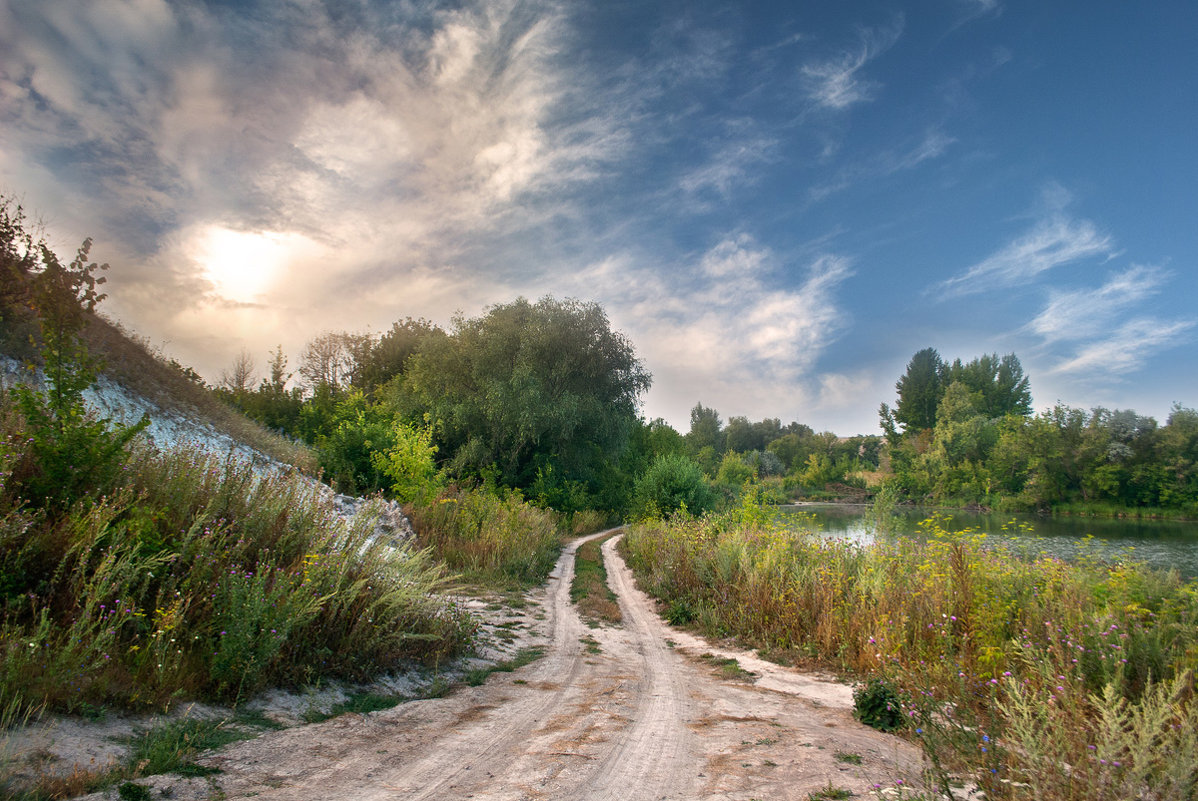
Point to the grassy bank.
(194, 577)
(1073, 679)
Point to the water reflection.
(1161, 543)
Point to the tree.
(349, 438)
(742, 436)
(919, 391)
(18, 258)
(239, 378)
(792, 449)
(409, 463)
(73, 454)
(734, 471)
(527, 386)
(1000, 384)
(278, 372)
(389, 356)
(328, 361)
(705, 430)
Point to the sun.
(241, 265)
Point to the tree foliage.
(919, 391)
(409, 463)
(998, 388)
(529, 385)
(672, 483)
(986, 448)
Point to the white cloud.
(932, 145)
(835, 82)
(1053, 242)
(713, 329)
(378, 154)
(1127, 348)
(729, 165)
(1086, 313)
(979, 8)
(1108, 339)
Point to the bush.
(1003, 666)
(877, 705)
(671, 483)
(72, 455)
(409, 463)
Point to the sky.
(778, 203)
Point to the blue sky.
(779, 203)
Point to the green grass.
(589, 590)
(360, 703)
(829, 793)
(173, 747)
(169, 747)
(729, 668)
(525, 656)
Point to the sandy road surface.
(626, 712)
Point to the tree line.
(541, 397)
(965, 434)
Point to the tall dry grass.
(967, 634)
(198, 577)
(490, 536)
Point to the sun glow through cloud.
(243, 265)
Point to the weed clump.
(490, 536)
(877, 705)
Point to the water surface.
(1161, 543)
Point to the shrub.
(671, 483)
(997, 661)
(877, 705)
(197, 576)
(409, 463)
(72, 455)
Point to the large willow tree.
(530, 392)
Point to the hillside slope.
(135, 381)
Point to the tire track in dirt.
(653, 759)
(473, 760)
(631, 712)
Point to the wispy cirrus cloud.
(1126, 348)
(391, 139)
(835, 82)
(933, 145)
(1086, 313)
(731, 164)
(978, 8)
(1050, 243)
(1101, 319)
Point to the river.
(1161, 543)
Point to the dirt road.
(637, 711)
